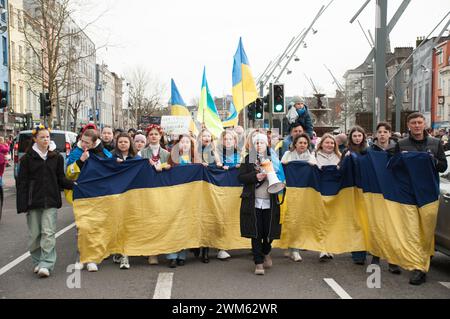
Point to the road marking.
(445, 284)
(17, 261)
(163, 289)
(337, 289)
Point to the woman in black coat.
(260, 211)
(41, 179)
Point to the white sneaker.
(43, 273)
(124, 263)
(92, 267)
(36, 269)
(117, 259)
(222, 254)
(325, 256)
(79, 266)
(295, 256)
(153, 260)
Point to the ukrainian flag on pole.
(233, 117)
(244, 87)
(178, 107)
(207, 111)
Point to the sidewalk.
(8, 178)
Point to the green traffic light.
(259, 115)
(279, 108)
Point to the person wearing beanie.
(304, 118)
(140, 141)
(260, 210)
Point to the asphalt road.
(232, 279)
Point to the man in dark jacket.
(420, 141)
(40, 181)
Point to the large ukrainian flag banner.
(387, 207)
(244, 87)
(178, 107)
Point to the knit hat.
(140, 137)
(260, 137)
(298, 99)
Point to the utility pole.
(380, 62)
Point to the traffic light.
(46, 104)
(3, 99)
(259, 109)
(278, 99)
(251, 111)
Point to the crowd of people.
(42, 175)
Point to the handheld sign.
(176, 124)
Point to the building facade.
(440, 104)
(106, 95)
(78, 93)
(118, 120)
(359, 89)
(5, 126)
(399, 89)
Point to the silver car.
(63, 141)
(442, 234)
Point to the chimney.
(419, 40)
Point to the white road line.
(337, 289)
(17, 261)
(445, 284)
(163, 289)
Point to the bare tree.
(146, 94)
(57, 50)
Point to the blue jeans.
(42, 240)
(359, 255)
(179, 255)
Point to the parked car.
(442, 234)
(63, 140)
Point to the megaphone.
(275, 186)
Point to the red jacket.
(4, 150)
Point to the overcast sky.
(176, 38)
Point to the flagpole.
(243, 98)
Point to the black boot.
(418, 277)
(196, 252)
(173, 263)
(375, 260)
(205, 256)
(394, 269)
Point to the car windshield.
(25, 142)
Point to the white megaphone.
(275, 186)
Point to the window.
(14, 97)
(415, 106)
(13, 53)
(21, 99)
(420, 104)
(407, 74)
(2, 2)
(441, 56)
(28, 101)
(427, 98)
(5, 51)
(20, 57)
